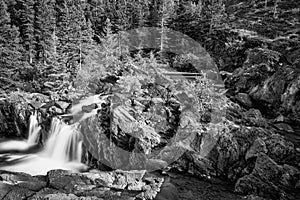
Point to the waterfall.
(64, 143)
(23, 145)
(34, 129)
(63, 146)
(62, 150)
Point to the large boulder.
(23, 180)
(60, 184)
(270, 180)
(14, 115)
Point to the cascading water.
(63, 147)
(32, 139)
(64, 143)
(34, 129)
(62, 150)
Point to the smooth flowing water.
(62, 150)
(22, 145)
(64, 143)
(76, 110)
(34, 129)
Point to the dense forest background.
(45, 42)
(55, 52)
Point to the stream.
(62, 150)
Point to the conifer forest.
(149, 99)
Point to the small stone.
(104, 179)
(63, 105)
(56, 110)
(284, 127)
(280, 118)
(244, 99)
(89, 108)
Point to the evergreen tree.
(27, 27)
(95, 10)
(74, 34)
(11, 60)
(166, 12)
(44, 25)
(217, 14)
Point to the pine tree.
(110, 47)
(27, 27)
(166, 11)
(11, 60)
(74, 34)
(44, 25)
(217, 14)
(95, 10)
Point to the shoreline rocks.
(60, 184)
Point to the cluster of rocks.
(16, 109)
(60, 184)
(252, 156)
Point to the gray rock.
(56, 111)
(279, 149)
(18, 193)
(42, 193)
(257, 147)
(253, 117)
(89, 108)
(61, 196)
(62, 105)
(261, 180)
(244, 99)
(5, 189)
(284, 127)
(23, 180)
(69, 182)
(168, 191)
(290, 176)
(270, 180)
(14, 114)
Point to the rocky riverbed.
(259, 156)
(121, 185)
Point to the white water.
(64, 143)
(85, 102)
(63, 147)
(76, 110)
(62, 150)
(34, 129)
(22, 145)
